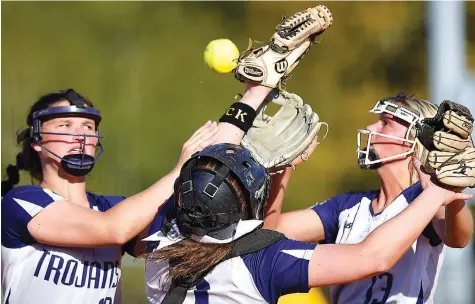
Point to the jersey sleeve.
(19, 206)
(329, 211)
(281, 268)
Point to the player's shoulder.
(282, 250)
(357, 195)
(19, 206)
(23, 190)
(348, 199)
(104, 202)
(32, 194)
(288, 250)
(410, 193)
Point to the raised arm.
(339, 264)
(454, 224)
(259, 66)
(451, 154)
(273, 212)
(289, 223)
(253, 97)
(64, 223)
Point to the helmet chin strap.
(372, 156)
(76, 164)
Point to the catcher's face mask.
(367, 157)
(77, 162)
(206, 202)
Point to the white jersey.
(260, 277)
(349, 218)
(36, 273)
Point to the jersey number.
(386, 289)
(107, 300)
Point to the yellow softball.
(221, 55)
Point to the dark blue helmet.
(75, 164)
(205, 200)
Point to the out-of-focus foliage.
(141, 63)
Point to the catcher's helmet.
(74, 164)
(206, 202)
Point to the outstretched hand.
(430, 183)
(202, 138)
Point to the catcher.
(407, 127)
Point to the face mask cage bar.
(52, 112)
(234, 159)
(412, 118)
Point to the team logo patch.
(253, 71)
(281, 65)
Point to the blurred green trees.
(141, 63)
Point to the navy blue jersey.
(37, 273)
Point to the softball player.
(61, 244)
(385, 147)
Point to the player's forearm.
(458, 225)
(134, 214)
(276, 199)
(253, 97)
(390, 241)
